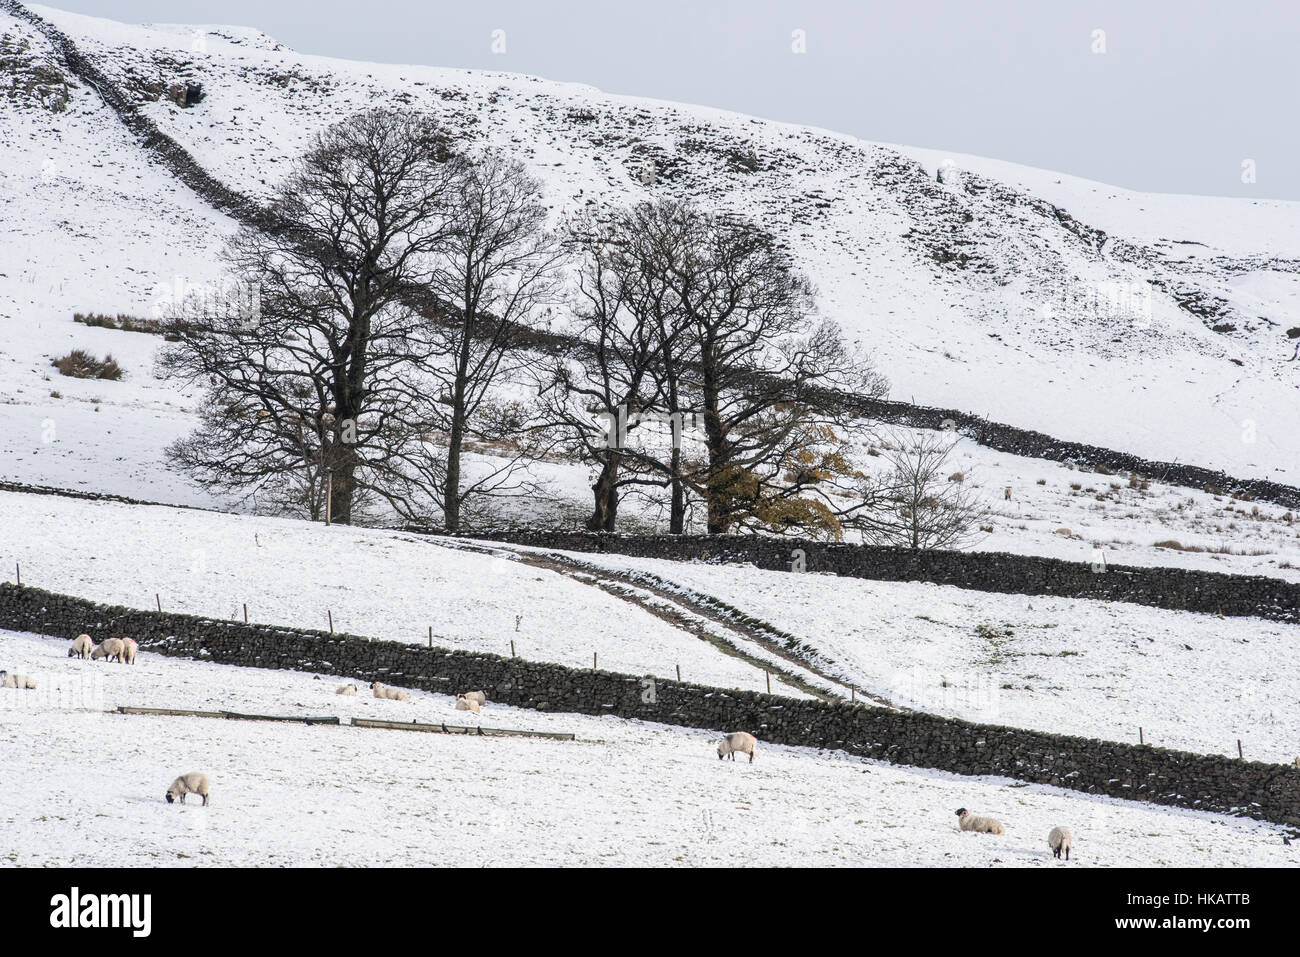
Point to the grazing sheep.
(109, 648)
(22, 682)
(984, 825)
(466, 703)
(129, 648)
(82, 646)
(192, 783)
(741, 741)
(392, 694)
(478, 696)
(1059, 840)
(347, 690)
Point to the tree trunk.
(455, 439)
(342, 488)
(451, 489)
(715, 440)
(605, 514)
(456, 435)
(677, 510)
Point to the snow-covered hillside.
(1166, 326)
(625, 793)
(375, 583)
(990, 290)
(1090, 668)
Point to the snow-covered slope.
(624, 793)
(386, 585)
(1090, 668)
(1071, 666)
(990, 290)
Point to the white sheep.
(347, 690)
(82, 646)
(741, 741)
(109, 648)
(466, 703)
(192, 783)
(984, 825)
(129, 648)
(478, 696)
(22, 682)
(1059, 840)
(392, 694)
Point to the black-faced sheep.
(741, 741)
(192, 783)
(1059, 840)
(466, 703)
(984, 825)
(392, 694)
(82, 647)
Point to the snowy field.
(1063, 512)
(86, 788)
(376, 583)
(1096, 669)
(1091, 668)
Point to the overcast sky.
(1183, 94)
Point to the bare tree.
(497, 265)
(322, 388)
(917, 505)
(602, 397)
(701, 319)
(761, 369)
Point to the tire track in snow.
(707, 618)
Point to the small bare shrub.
(80, 364)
